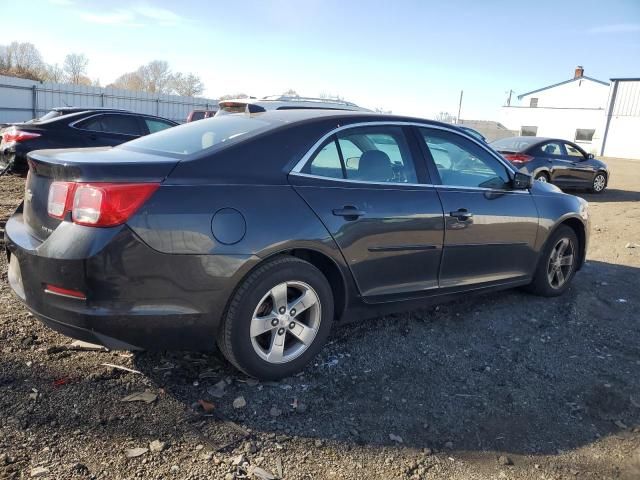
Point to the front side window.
(461, 163)
(366, 154)
(573, 151)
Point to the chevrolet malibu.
(259, 231)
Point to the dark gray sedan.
(259, 231)
(556, 161)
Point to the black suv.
(72, 127)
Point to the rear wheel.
(278, 319)
(557, 265)
(599, 183)
(543, 177)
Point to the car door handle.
(349, 212)
(461, 214)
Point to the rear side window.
(367, 154)
(124, 124)
(121, 124)
(553, 149)
(195, 137)
(156, 125)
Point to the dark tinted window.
(461, 163)
(125, 124)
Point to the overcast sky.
(412, 57)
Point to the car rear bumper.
(136, 297)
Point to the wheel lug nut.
(274, 322)
(293, 312)
(281, 331)
(292, 325)
(282, 310)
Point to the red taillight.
(14, 135)
(518, 157)
(98, 204)
(64, 292)
(59, 202)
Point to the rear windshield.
(514, 144)
(197, 136)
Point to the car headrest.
(375, 166)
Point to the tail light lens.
(98, 204)
(13, 135)
(60, 195)
(518, 158)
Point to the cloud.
(616, 28)
(137, 16)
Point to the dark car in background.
(70, 127)
(200, 115)
(556, 161)
(259, 231)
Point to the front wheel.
(542, 177)
(278, 319)
(599, 183)
(557, 264)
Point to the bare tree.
(446, 117)
(156, 77)
(188, 85)
(75, 68)
(128, 81)
(21, 59)
(331, 96)
(53, 73)
(232, 96)
(291, 93)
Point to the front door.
(364, 186)
(582, 172)
(490, 229)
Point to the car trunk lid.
(87, 165)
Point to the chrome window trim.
(73, 124)
(398, 184)
(297, 169)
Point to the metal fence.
(22, 100)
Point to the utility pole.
(509, 99)
(459, 106)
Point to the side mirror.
(521, 181)
(590, 156)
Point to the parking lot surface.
(505, 385)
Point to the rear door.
(490, 229)
(554, 154)
(110, 129)
(367, 186)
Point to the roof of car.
(89, 109)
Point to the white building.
(573, 110)
(622, 120)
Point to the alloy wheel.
(285, 322)
(560, 263)
(599, 182)
(542, 178)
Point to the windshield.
(514, 144)
(197, 136)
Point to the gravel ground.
(505, 385)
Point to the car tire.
(546, 279)
(543, 177)
(257, 306)
(599, 183)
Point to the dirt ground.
(505, 385)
